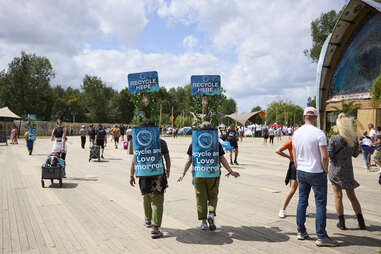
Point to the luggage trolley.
(54, 168)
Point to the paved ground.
(97, 211)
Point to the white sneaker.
(204, 226)
(282, 214)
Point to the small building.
(349, 63)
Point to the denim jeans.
(366, 154)
(318, 183)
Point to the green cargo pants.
(153, 208)
(206, 196)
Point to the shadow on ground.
(56, 185)
(226, 235)
(85, 179)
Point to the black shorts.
(116, 139)
(266, 136)
(233, 142)
(292, 170)
(101, 143)
(129, 137)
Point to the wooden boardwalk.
(97, 211)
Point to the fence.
(44, 128)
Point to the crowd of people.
(312, 161)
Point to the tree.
(350, 109)
(256, 109)
(311, 102)
(375, 91)
(284, 113)
(26, 86)
(97, 97)
(122, 107)
(320, 29)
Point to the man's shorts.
(377, 156)
(116, 139)
(101, 143)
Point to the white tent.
(5, 112)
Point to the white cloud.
(266, 38)
(190, 42)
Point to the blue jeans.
(366, 154)
(318, 183)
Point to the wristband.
(230, 172)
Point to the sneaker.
(282, 214)
(148, 224)
(156, 234)
(236, 163)
(102, 157)
(212, 226)
(302, 236)
(325, 242)
(231, 163)
(204, 226)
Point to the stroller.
(95, 153)
(53, 168)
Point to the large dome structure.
(349, 63)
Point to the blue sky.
(256, 46)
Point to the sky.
(255, 45)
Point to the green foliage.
(284, 113)
(331, 133)
(375, 91)
(25, 86)
(350, 109)
(179, 122)
(320, 29)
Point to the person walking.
(116, 135)
(311, 162)
(265, 133)
(83, 133)
(341, 148)
(122, 131)
(366, 148)
(207, 187)
(271, 135)
(59, 138)
(91, 133)
(14, 135)
(101, 138)
(152, 189)
(29, 142)
(233, 140)
(377, 154)
(290, 176)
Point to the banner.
(32, 134)
(205, 153)
(147, 153)
(205, 84)
(32, 117)
(143, 82)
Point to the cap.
(83, 126)
(364, 132)
(310, 111)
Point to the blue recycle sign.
(143, 82)
(205, 84)
(205, 153)
(147, 153)
(32, 134)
